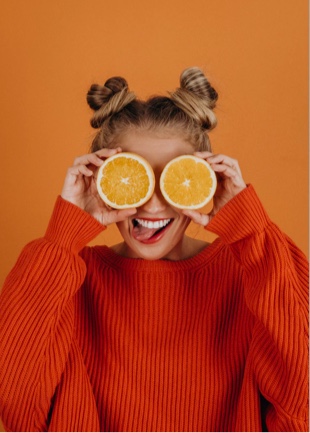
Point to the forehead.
(157, 149)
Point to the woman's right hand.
(80, 188)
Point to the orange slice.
(188, 182)
(125, 180)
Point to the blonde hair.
(186, 112)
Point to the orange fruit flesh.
(126, 189)
(189, 182)
(125, 180)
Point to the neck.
(189, 247)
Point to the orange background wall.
(255, 53)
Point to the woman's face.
(142, 235)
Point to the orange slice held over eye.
(188, 182)
(125, 180)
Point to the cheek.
(123, 227)
(182, 222)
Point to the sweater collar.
(116, 261)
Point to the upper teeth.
(153, 224)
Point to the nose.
(156, 203)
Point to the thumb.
(197, 217)
(115, 215)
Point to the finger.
(219, 159)
(88, 159)
(226, 160)
(204, 155)
(76, 174)
(95, 158)
(197, 217)
(105, 152)
(229, 173)
(81, 169)
(226, 170)
(116, 215)
(72, 178)
(222, 159)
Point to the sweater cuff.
(241, 217)
(70, 227)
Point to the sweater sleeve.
(36, 317)
(275, 275)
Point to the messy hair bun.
(187, 112)
(196, 97)
(108, 99)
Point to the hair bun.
(108, 99)
(196, 97)
(99, 95)
(194, 80)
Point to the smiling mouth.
(149, 231)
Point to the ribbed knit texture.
(91, 341)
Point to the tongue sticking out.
(143, 233)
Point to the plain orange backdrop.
(254, 52)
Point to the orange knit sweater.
(93, 341)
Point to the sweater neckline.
(112, 259)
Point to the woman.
(160, 332)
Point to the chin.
(151, 253)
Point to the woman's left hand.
(229, 184)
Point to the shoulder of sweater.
(241, 217)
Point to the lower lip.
(157, 237)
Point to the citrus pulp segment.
(125, 180)
(188, 182)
